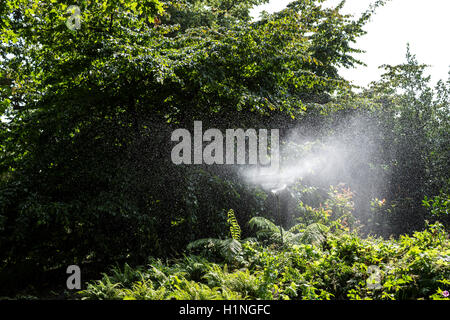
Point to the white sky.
(425, 24)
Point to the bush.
(344, 266)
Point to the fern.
(267, 229)
(264, 226)
(235, 229)
(313, 234)
(228, 249)
(240, 281)
(206, 243)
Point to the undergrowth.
(342, 265)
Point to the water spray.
(275, 183)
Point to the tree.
(415, 122)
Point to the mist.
(344, 154)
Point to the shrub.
(341, 266)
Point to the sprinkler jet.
(279, 189)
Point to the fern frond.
(297, 228)
(235, 229)
(250, 240)
(314, 234)
(295, 238)
(269, 230)
(261, 223)
(263, 226)
(229, 249)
